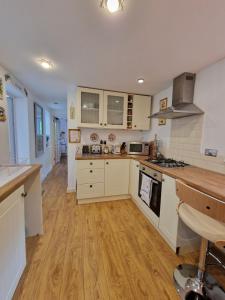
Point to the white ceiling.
(154, 39)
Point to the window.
(39, 129)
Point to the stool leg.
(202, 258)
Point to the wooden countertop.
(11, 186)
(206, 181)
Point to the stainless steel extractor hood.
(182, 100)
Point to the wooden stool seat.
(207, 227)
(204, 215)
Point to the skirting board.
(103, 199)
(69, 190)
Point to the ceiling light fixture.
(140, 80)
(45, 63)
(112, 5)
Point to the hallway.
(98, 251)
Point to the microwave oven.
(138, 148)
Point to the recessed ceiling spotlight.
(140, 80)
(45, 63)
(112, 5)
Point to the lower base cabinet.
(102, 178)
(174, 231)
(12, 237)
(117, 177)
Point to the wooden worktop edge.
(14, 184)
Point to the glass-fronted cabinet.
(115, 110)
(90, 108)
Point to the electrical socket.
(211, 152)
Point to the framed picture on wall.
(1, 89)
(39, 129)
(163, 104)
(74, 136)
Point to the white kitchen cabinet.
(117, 177)
(134, 179)
(101, 109)
(171, 227)
(90, 179)
(115, 110)
(168, 223)
(90, 107)
(141, 112)
(12, 237)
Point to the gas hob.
(168, 163)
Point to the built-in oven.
(156, 187)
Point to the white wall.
(4, 137)
(163, 132)
(46, 158)
(72, 148)
(22, 130)
(188, 137)
(210, 97)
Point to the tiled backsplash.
(185, 144)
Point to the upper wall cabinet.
(90, 107)
(141, 112)
(114, 110)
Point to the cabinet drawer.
(91, 164)
(94, 190)
(90, 176)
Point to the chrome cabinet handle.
(24, 194)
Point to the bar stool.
(204, 215)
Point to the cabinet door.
(134, 179)
(12, 237)
(141, 112)
(90, 108)
(115, 110)
(168, 223)
(117, 177)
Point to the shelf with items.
(130, 111)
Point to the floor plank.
(96, 251)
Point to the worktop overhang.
(15, 183)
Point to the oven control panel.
(151, 172)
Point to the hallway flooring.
(97, 251)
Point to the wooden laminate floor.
(96, 251)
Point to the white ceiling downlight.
(112, 5)
(45, 64)
(140, 80)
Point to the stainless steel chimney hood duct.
(182, 100)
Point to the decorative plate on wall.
(94, 137)
(111, 137)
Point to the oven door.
(135, 148)
(155, 200)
